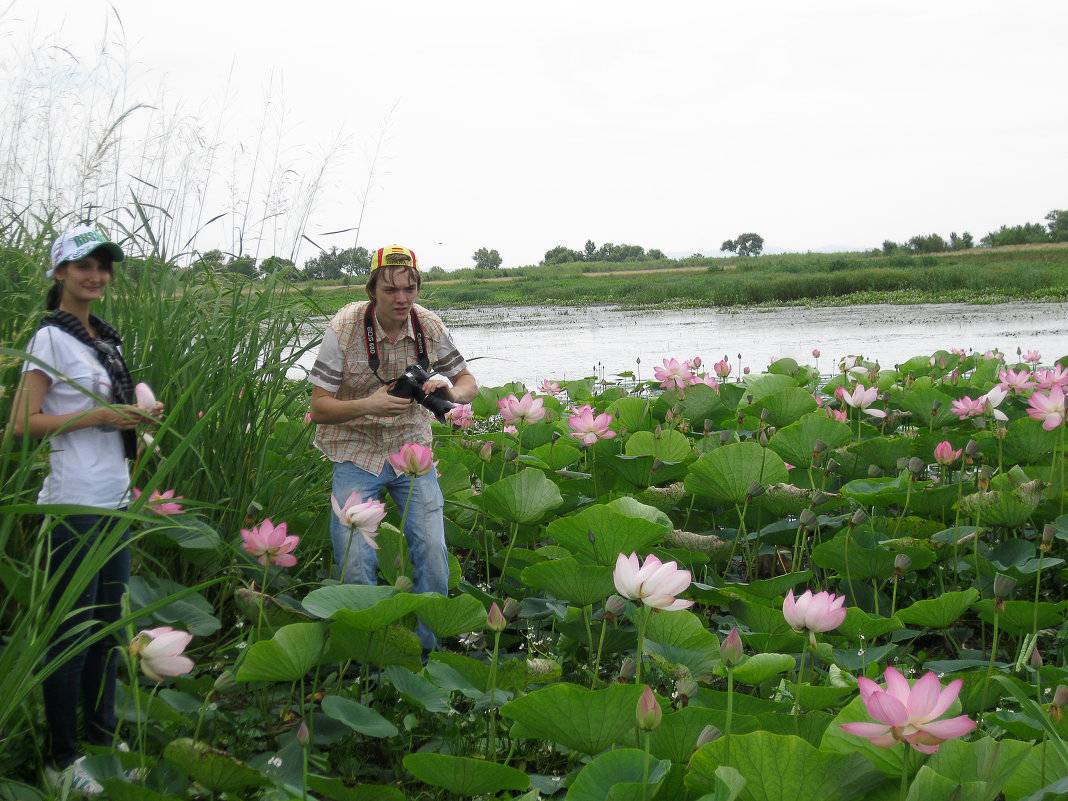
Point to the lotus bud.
(707, 735)
(762, 437)
(1036, 659)
(807, 519)
(404, 584)
(687, 689)
(671, 416)
(486, 451)
(648, 713)
(627, 669)
(1003, 586)
(1048, 533)
(755, 490)
(658, 432)
(511, 608)
(916, 465)
(860, 517)
(615, 605)
(874, 471)
(746, 369)
(226, 684)
(303, 735)
(730, 650)
(495, 618)
(146, 399)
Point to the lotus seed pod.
(627, 669)
(687, 688)
(916, 465)
(903, 463)
(707, 735)
(511, 608)
(902, 562)
(1060, 697)
(755, 490)
(874, 471)
(860, 517)
(819, 446)
(226, 684)
(615, 605)
(555, 436)
(819, 497)
(724, 437)
(972, 448)
(807, 518)
(404, 584)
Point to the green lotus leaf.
(523, 498)
(382, 613)
(698, 403)
(395, 644)
(464, 776)
(453, 477)
(879, 451)
(1010, 509)
(632, 507)
(449, 617)
(676, 736)
(990, 762)
(214, 769)
(795, 443)
(816, 697)
(287, 656)
(612, 533)
(619, 776)
(192, 612)
(787, 407)
(337, 790)
(941, 612)
(358, 717)
(570, 580)
(633, 414)
(879, 492)
(557, 455)
(643, 471)
(585, 720)
(325, 601)
(776, 767)
(1036, 772)
(669, 446)
(848, 558)
(930, 408)
(1027, 442)
(1018, 617)
(858, 622)
(726, 473)
(417, 690)
(767, 384)
(760, 667)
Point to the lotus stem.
(730, 714)
(643, 618)
(904, 774)
(404, 519)
(491, 740)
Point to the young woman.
(76, 392)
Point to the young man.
(366, 347)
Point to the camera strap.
(370, 339)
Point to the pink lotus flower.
(363, 516)
(161, 503)
(527, 409)
(1048, 379)
(589, 429)
(511, 430)
(307, 417)
(908, 714)
(815, 353)
(583, 409)
(746, 369)
(1015, 381)
(693, 364)
(722, 368)
(958, 352)
(270, 543)
(413, 460)
(730, 650)
(707, 380)
(549, 387)
(485, 451)
(861, 398)
(160, 652)
(945, 455)
(460, 415)
(648, 713)
(672, 374)
(1032, 356)
(495, 620)
(146, 398)
(837, 414)
(654, 583)
(1050, 409)
(820, 612)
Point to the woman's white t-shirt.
(88, 464)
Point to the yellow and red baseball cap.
(394, 255)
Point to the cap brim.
(112, 249)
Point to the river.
(529, 344)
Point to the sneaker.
(135, 775)
(74, 776)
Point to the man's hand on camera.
(380, 402)
(436, 384)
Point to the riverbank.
(984, 276)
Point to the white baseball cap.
(77, 243)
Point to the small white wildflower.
(941, 675)
(213, 706)
(860, 652)
(242, 645)
(275, 762)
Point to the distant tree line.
(1055, 230)
(562, 254)
(329, 265)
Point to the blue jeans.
(424, 529)
(89, 676)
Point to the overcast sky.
(672, 125)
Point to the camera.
(410, 385)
